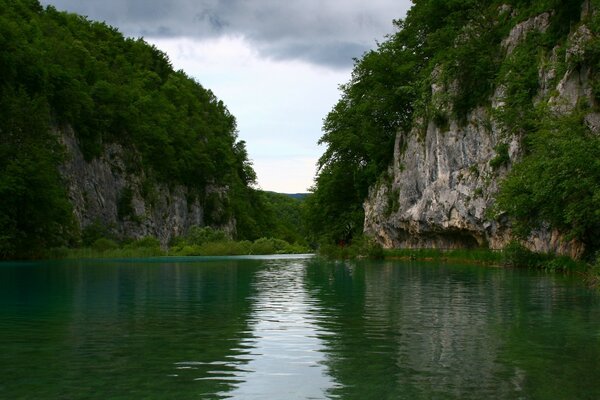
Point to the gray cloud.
(325, 32)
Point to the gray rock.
(442, 187)
(95, 188)
(519, 32)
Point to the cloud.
(325, 32)
(279, 105)
(276, 64)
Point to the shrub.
(269, 246)
(199, 235)
(94, 231)
(124, 204)
(516, 255)
(361, 247)
(104, 244)
(145, 242)
(502, 157)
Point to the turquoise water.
(293, 328)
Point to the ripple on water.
(246, 329)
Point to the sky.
(276, 64)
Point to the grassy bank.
(513, 255)
(198, 242)
(475, 256)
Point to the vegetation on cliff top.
(459, 44)
(62, 70)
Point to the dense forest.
(60, 69)
(556, 182)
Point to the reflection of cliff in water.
(427, 331)
(161, 325)
(294, 329)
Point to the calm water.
(294, 328)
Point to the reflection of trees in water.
(385, 330)
(417, 331)
(151, 330)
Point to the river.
(290, 327)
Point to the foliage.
(124, 205)
(60, 69)
(388, 87)
(104, 244)
(148, 242)
(457, 45)
(285, 213)
(200, 235)
(34, 209)
(93, 232)
(244, 247)
(119, 252)
(206, 241)
(516, 255)
(558, 182)
(502, 157)
(476, 256)
(361, 247)
(593, 276)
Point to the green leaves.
(34, 210)
(457, 46)
(60, 69)
(558, 182)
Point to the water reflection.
(285, 352)
(427, 331)
(132, 330)
(294, 329)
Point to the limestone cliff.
(442, 184)
(108, 191)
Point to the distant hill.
(298, 196)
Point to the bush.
(594, 273)
(269, 246)
(361, 247)
(261, 246)
(104, 244)
(94, 231)
(58, 253)
(145, 242)
(502, 157)
(200, 235)
(516, 255)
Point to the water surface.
(293, 328)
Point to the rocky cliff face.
(443, 180)
(106, 191)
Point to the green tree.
(558, 182)
(61, 70)
(34, 211)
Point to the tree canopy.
(60, 69)
(457, 43)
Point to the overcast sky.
(276, 64)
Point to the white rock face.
(517, 34)
(95, 188)
(442, 186)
